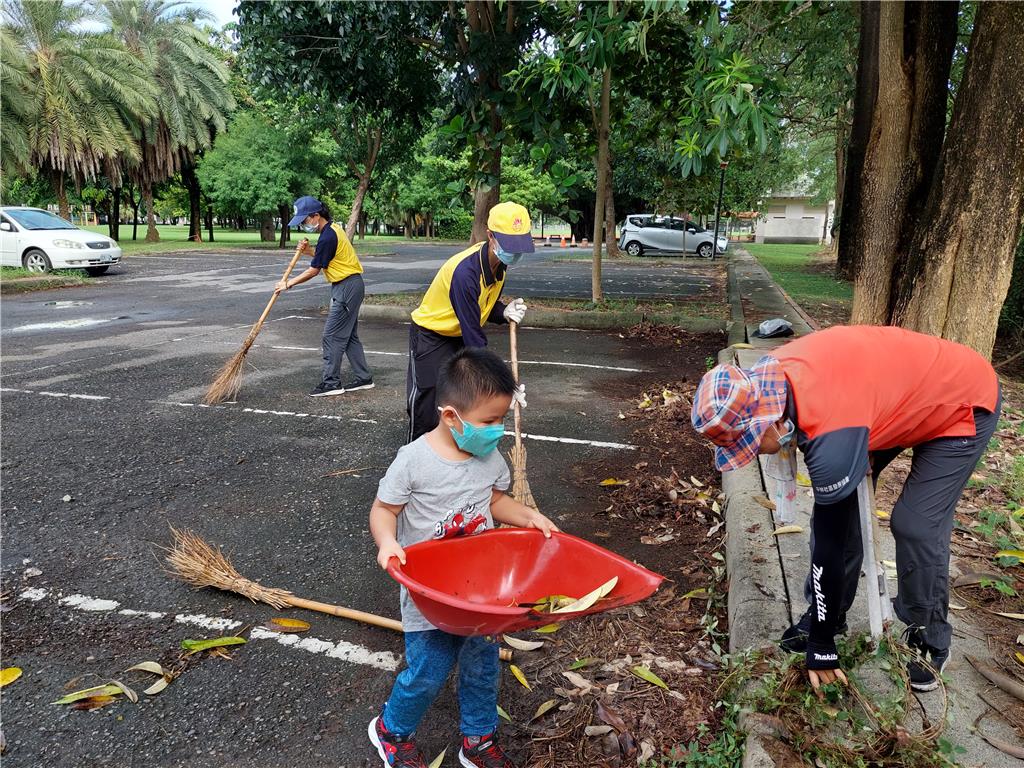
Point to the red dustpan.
(475, 585)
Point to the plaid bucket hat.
(733, 407)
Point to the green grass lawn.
(175, 238)
(806, 278)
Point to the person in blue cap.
(336, 258)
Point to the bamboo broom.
(193, 560)
(520, 486)
(229, 379)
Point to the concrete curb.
(586, 320)
(27, 284)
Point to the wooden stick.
(513, 342)
(345, 613)
(291, 265)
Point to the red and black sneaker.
(484, 754)
(395, 751)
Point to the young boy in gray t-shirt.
(449, 482)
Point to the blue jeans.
(429, 658)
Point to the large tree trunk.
(152, 235)
(114, 221)
(611, 244)
(373, 141)
(915, 49)
(961, 261)
(209, 222)
(601, 186)
(60, 189)
(267, 227)
(284, 212)
(851, 223)
(195, 216)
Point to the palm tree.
(193, 100)
(84, 86)
(17, 107)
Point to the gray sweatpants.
(341, 335)
(922, 525)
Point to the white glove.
(515, 311)
(519, 396)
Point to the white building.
(790, 216)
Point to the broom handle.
(514, 343)
(291, 265)
(345, 613)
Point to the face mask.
(478, 441)
(787, 438)
(308, 227)
(506, 258)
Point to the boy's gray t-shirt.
(442, 499)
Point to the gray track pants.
(341, 335)
(922, 525)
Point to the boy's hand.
(389, 550)
(537, 520)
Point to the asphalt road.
(100, 403)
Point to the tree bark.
(961, 261)
(284, 212)
(486, 197)
(373, 142)
(267, 227)
(209, 222)
(152, 235)
(61, 190)
(851, 223)
(601, 186)
(114, 221)
(195, 216)
(915, 50)
(611, 244)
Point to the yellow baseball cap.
(510, 225)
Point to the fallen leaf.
(284, 624)
(437, 761)
(544, 708)
(881, 514)
(158, 686)
(1017, 553)
(590, 598)
(1019, 657)
(85, 693)
(957, 606)
(889, 564)
(518, 674)
(133, 697)
(803, 480)
(669, 396)
(971, 578)
(581, 663)
(148, 666)
(1017, 616)
(646, 749)
(597, 730)
(547, 629)
(613, 481)
(764, 502)
(503, 713)
(578, 680)
(94, 702)
(700, 592)
(787, 529)
(9, 675)
(645, 403)
(645, 674)
(194, 646)
(523, 645)
(737, 345)
(610, 716)
(1020, 639)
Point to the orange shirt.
(861, 388)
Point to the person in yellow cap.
(464, 294)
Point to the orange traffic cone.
(574, 241)
(563, 242)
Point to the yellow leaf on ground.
(787, 529)
(696, 482)
(803, 480)
(503, 713)
(9, 675)
(1019, 657)
(700, 593)
(742, 345)
(148, 666)
(85, 693)
(547, 706)
(292, 625)
(645, 674)
(957, 607)
(523, 645)
(1018, 553)
(765, 502)
(645, 403)
(437, 761)
(518, 674)
(881, 514)
(613, 481)
(1017, 616)
(547, 629)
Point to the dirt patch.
(658, 512)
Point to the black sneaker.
(395, 751)
(322, 390)
(924, 670)
(794, 639)
(355, 386)
(484, 754)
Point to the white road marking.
(576, 441)
(82, 322)
(340, 649)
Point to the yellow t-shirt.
(335, 255)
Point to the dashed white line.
(340, 649)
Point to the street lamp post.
(718, 209)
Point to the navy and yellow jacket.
(463, 296)
(335, 254)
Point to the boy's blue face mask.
(478, 441)
(506, 258)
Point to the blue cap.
(305, 206)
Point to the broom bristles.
(229, 379)
(520, 486)
(194, 561)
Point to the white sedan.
(39, 241)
